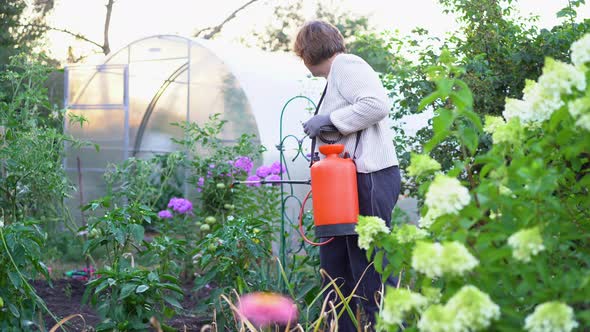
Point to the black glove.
(313, 125)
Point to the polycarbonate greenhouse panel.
(96, 85)
(103, 127)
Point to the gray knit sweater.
(356, 100)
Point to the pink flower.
(264, 309)
(165, 214)
(253, 178)
(263, 171)
(277, 168)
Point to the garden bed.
(65, 298)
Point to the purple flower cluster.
(244, 164)
(165, 214)
(273, 177)
(270, 173)
(180, 205)
(276, 168)
(263, 171)
(200, 184)
(253, 178)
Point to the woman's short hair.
(317, 41)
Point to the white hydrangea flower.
(473, 309)
(515, 108)
(367, 228)
(511, 132)
(561, 78)
(438, 318)
(446, 195)
(435, 260)
(494, 215)
(526, 243)
(537, 105)
(432, 294)
(493, 122)
(580, 111)
(551, 317)
(456, 259)
(427, 220)
(426, 258)
(542, 98)
(409, 233)
(421, 164)
(584, 122)
(581, 50)
(505, 191)
(398, 302)
(579, 106)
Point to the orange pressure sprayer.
(335, 195)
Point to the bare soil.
(65, 299)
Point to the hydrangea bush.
(503, 241)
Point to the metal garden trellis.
(288, 194)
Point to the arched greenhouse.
(131, 100)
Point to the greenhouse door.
(96, 99)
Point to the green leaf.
(120, 236)
(137, 232)
(441, 124)
(474, 119)
(126, 290)
(172, 287)
(14, 310)
(445, 86)
(443, 120)
(470, 139)
(15, 279)
(102, 286)
(142, 288)
(428, 100)
(153, 276)
(172, 301)
(379, 261)
(566, 12)
(462, 98)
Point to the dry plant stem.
(66, 319)
(155, 324)
(323, 313)
(334, 324)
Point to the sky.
(134, 19)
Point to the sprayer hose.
(301, 226)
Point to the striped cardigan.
(356, 100)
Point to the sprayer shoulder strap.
(317, 109)
(356, 144)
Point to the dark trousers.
(342, 258)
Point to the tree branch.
(105, 46)
(77, 35)
(216, 29)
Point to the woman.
(354, 101)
